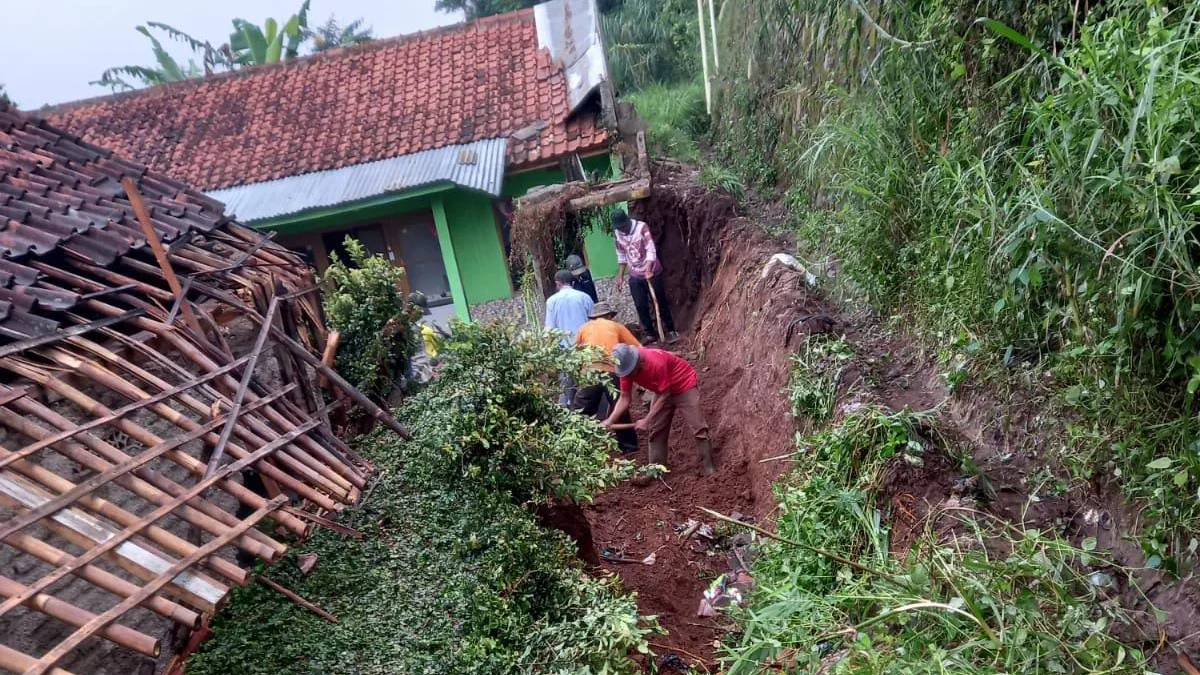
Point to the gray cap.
(626, 358)
(601, 309)
(575, 265)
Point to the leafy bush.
(455, 574)
(489, 420)
(675, 118)
(363, 301)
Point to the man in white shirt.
(566, 311)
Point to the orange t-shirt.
(605, 334)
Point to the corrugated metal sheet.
(476, 166)
(570, 29)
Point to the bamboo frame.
(195, 412)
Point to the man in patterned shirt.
(636, 254)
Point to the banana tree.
(252, 45)
(166, 68)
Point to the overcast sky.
(51, 49)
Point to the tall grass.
(675, 118)
(1035, 184)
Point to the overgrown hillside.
(1017, 185)
(1026, 190)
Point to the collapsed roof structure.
(130, 409)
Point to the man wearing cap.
(566, 311)
(583, 277)
(637, 255)
(594, 400)
(673, 382)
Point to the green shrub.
(363, 294)
(455, 574)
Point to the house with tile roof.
(413, 145)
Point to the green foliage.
(675, 118)
(477, 9)
(816, 371)
(455, 574)
(651, 42)
(494, 402)
(954, 604)
(363, 302)
(252, 45)
(166, 68)
(4, 99)
(331, 34)
(717, 177)
(249, 45)
(1031, 183)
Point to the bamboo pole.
(60, 650)
(712, 26)
(89, 533)
(111, 381)
(152, 237)
(296, 348)
(15, 662)
(339, 466)
(76, 491)
(103, 579)
(148, 484)
(169, 541)
(235, 409)
(333, 469)
(70, 614)
(704, 57)
(175, 570)
(295, 597)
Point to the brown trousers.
(688, 405)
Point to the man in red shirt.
(673, 382)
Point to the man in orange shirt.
(601, 331)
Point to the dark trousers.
(595, 401)
(640, 290)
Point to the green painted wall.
(450, 259)
(598, 245)
(477, 246)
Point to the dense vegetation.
(455, 573)
(1026, 190)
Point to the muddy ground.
(735, 320)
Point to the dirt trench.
(733, 323)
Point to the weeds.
(816, 370)
(1031, 185)
(957, 601)
(717, 177)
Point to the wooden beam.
(613, 193)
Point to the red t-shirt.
(660, 371)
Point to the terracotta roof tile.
(469, 82)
